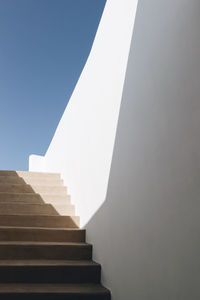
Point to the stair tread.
(12, 172)
(83, 288)
(30, 181)
(47, 262)
(33, 193)
(41, 243)
(41, 228)
(31, 185)
(43, 216)
(33, 188)
(23, 203)
(35, 178)
(47, 196)
(13, 176)
(20, 233)
(46, 221)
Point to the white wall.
(81, 149)
(36, 163)
(146, 233)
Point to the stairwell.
(43, 253)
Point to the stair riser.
(67, 252)
(53, 296)
(25, 174)
(31, 181)
(56, 202)
(40, 221)
(35, 209)
(24, 201)
(34, 198)
(60, 206)
(35, 235)
(17, 188)
(65, 210)
(27, 209)
(50, 274)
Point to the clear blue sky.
(44, 45)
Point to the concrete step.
(45, 250)
(21, 208)
(26, 174)
(40, 234)
(49, 271)
(40, 221)
(34, 198)
(25, 188)
(55, 199)
(21, 197)
(54, 292)
(31, 181)
(65, 210)
(7, 208)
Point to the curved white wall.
(81, 149)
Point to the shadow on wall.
(147, 248)
(146, 233)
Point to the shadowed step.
(45, 250)
(49, 271)
(40, 221)
(54, 292)
(42, 234)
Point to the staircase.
(43, 253)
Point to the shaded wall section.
(146, 234)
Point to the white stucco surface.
(36, 163)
